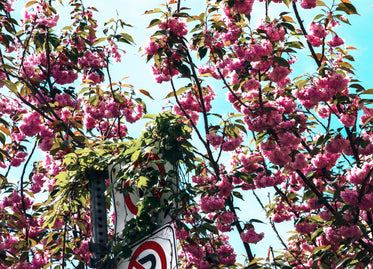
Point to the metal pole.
(99, 241)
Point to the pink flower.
(48, 21)
(278, 156)
(306, 247)
(312, 203)
(348, 120)
(358, 175)
(350, 231)
(151, 47)
(331, 235)
(225, 188)
(278, 73)
(336, 41)
(31, 124)
(314, 40)
(227, 255)
(231, 143)
(18, 159)
(214, 139)
(274, 33)
(93, 78)
(46, 143)
(251, 84)
(325, 215)
(305, 227)
(251, 236)
(350, 196)
(300, 162)
(227, 217)
(308, 4)
(336, 145)
(211, 203)
(366, 202)
(243, 7)
(318, 30)
(324, 160)
(367, 117)
(175, 25)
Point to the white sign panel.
(125, 205)
(156, 252)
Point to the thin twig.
(318, 62)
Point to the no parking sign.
(155, 252)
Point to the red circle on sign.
(152, 245)
(127, 198)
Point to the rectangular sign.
(158, 251)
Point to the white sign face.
(125, 205)
(156, 252)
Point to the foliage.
(308, 137)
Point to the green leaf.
(348, 8)
(323, 248)
(211, 228)
(142, 182)
(238, 195)
(202, 51)
(320, 3)
(366, 122)
(2, 138)
(30, 3)
(281, 61)
(178, 92)
(135, 156)
(11, 86)
(184, 70)
(149, 116)
(357, 86)
(368, 91)
(295, 44)
(310, 174)
(286, 2)
(127, 38)
(102, 39)
(255, 220)
(154, 22)
(319, 16)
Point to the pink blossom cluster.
(243, 7)
(336, 41)
(250, 236)
(39, 15)
(175, 25)
(91, 63)
(322, 91)
(275, 33)
(308, 4)
(151, 47)
(191, 105)
(110, 108)
(61, 70)
(211, 203)
(317, 33)
(305, 227)
(199, 256)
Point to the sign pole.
(99, 241)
